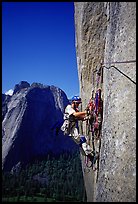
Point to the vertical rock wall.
(90, 24)
(106, 32)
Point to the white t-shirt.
(74, 131)
(69, 110)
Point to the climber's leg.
(87, 148)
(76, 136)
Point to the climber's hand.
(87, 111)
(87, 117)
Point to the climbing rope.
(118, 62)
(112, 66)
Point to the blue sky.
(38, 45)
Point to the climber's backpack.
(67, 124)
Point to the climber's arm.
(80, 115)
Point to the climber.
(73, 115)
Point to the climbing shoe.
(93, 157)
(96, 156)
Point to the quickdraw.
(91, 161)
(90, 164)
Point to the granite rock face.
(21, 85)
(106, 32)
(28, 121)
(5, 100)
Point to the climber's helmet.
(76, 99)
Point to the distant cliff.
(29, 116)
(106, 33)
